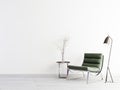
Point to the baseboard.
(27, 75)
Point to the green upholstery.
(84, 68)
(93, 62)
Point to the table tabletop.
(63, 62)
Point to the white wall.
(31, 31)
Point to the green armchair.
(93, 62)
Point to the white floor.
(16, 82)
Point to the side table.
(62, 62)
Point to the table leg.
(59, 70)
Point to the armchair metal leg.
(101, 76)
(87, 76)
(83, 74)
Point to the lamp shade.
(106, 41)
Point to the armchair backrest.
(93, 60)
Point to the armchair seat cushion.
(78, 67)
(84, 68)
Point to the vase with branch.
(61, 45)
(63, 48)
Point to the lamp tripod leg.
(106, 75)
(110, 75)
(108, 71)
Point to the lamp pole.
(108, 69)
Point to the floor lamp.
(108, 40)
